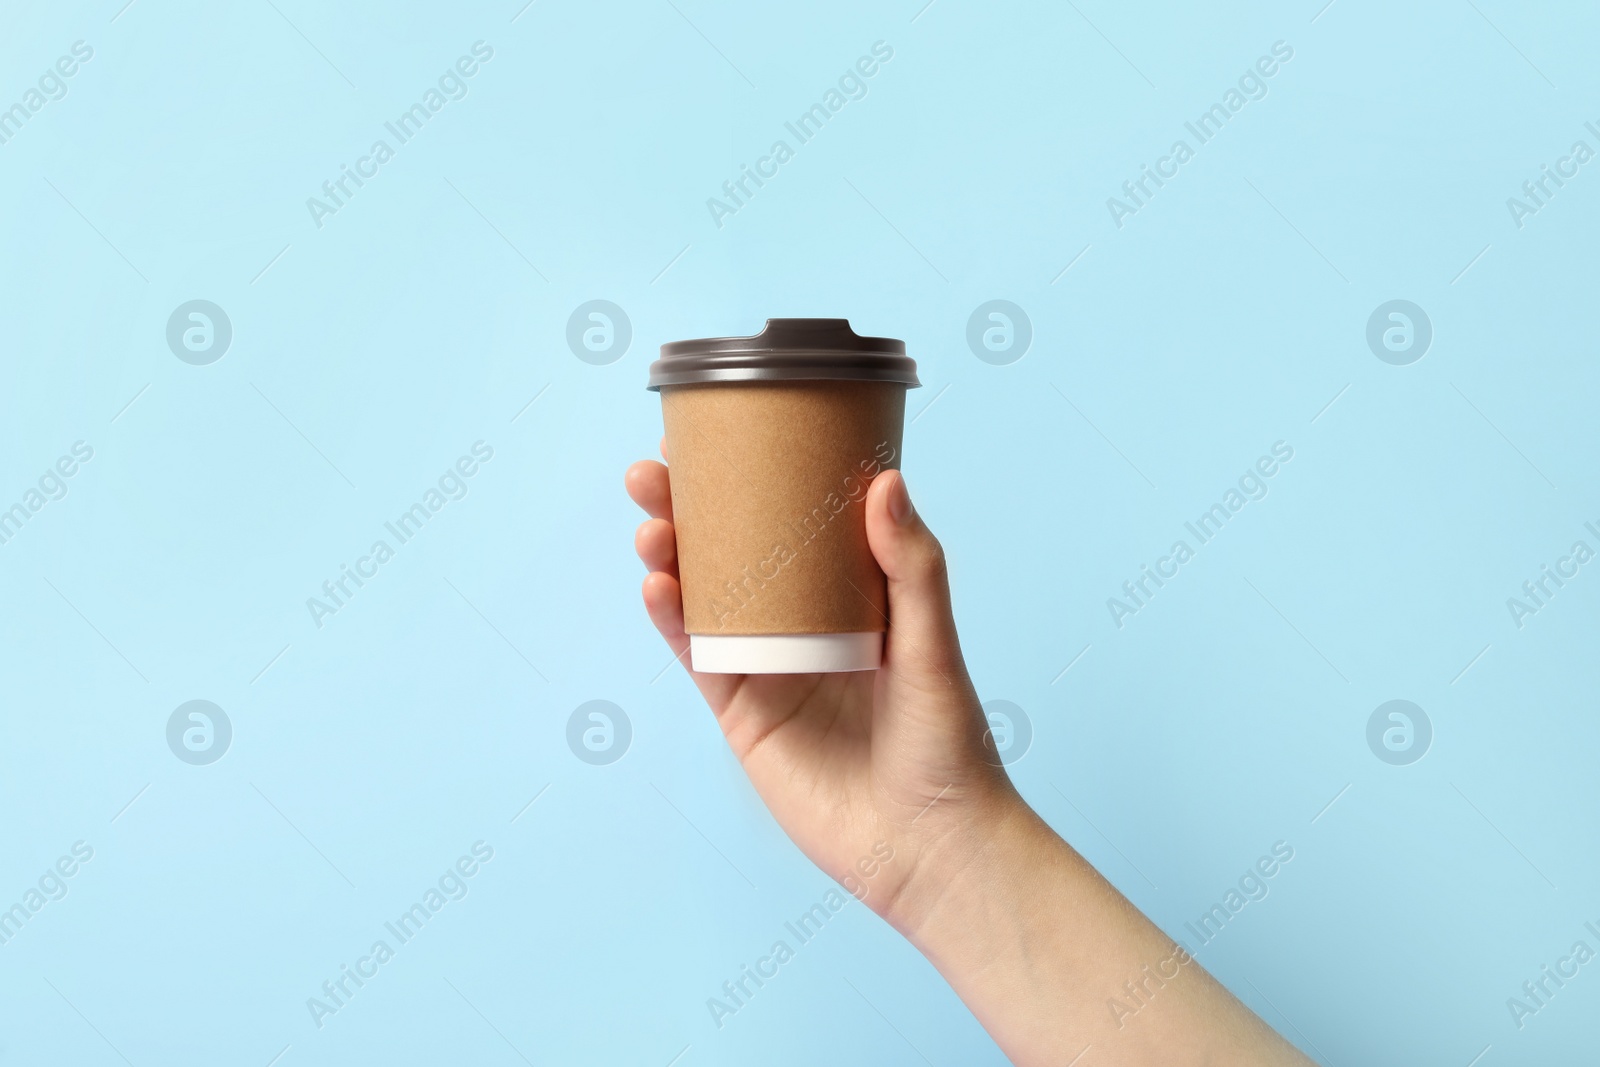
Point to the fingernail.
(900, 501)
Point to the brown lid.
(786, 350)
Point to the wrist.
(972, 847)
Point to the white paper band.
(785, 653)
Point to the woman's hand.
(850, 763)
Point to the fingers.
(663, 600)
(657, 545)
(922, 641)
(655, 540)
(648, 485)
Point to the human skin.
(1027, 933)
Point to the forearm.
(1038, 944)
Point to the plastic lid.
(786, 350)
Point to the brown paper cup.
(769, 482)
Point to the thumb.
(921, 644)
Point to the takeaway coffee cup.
(773, 440)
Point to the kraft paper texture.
(769, 481)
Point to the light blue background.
(370, 353)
